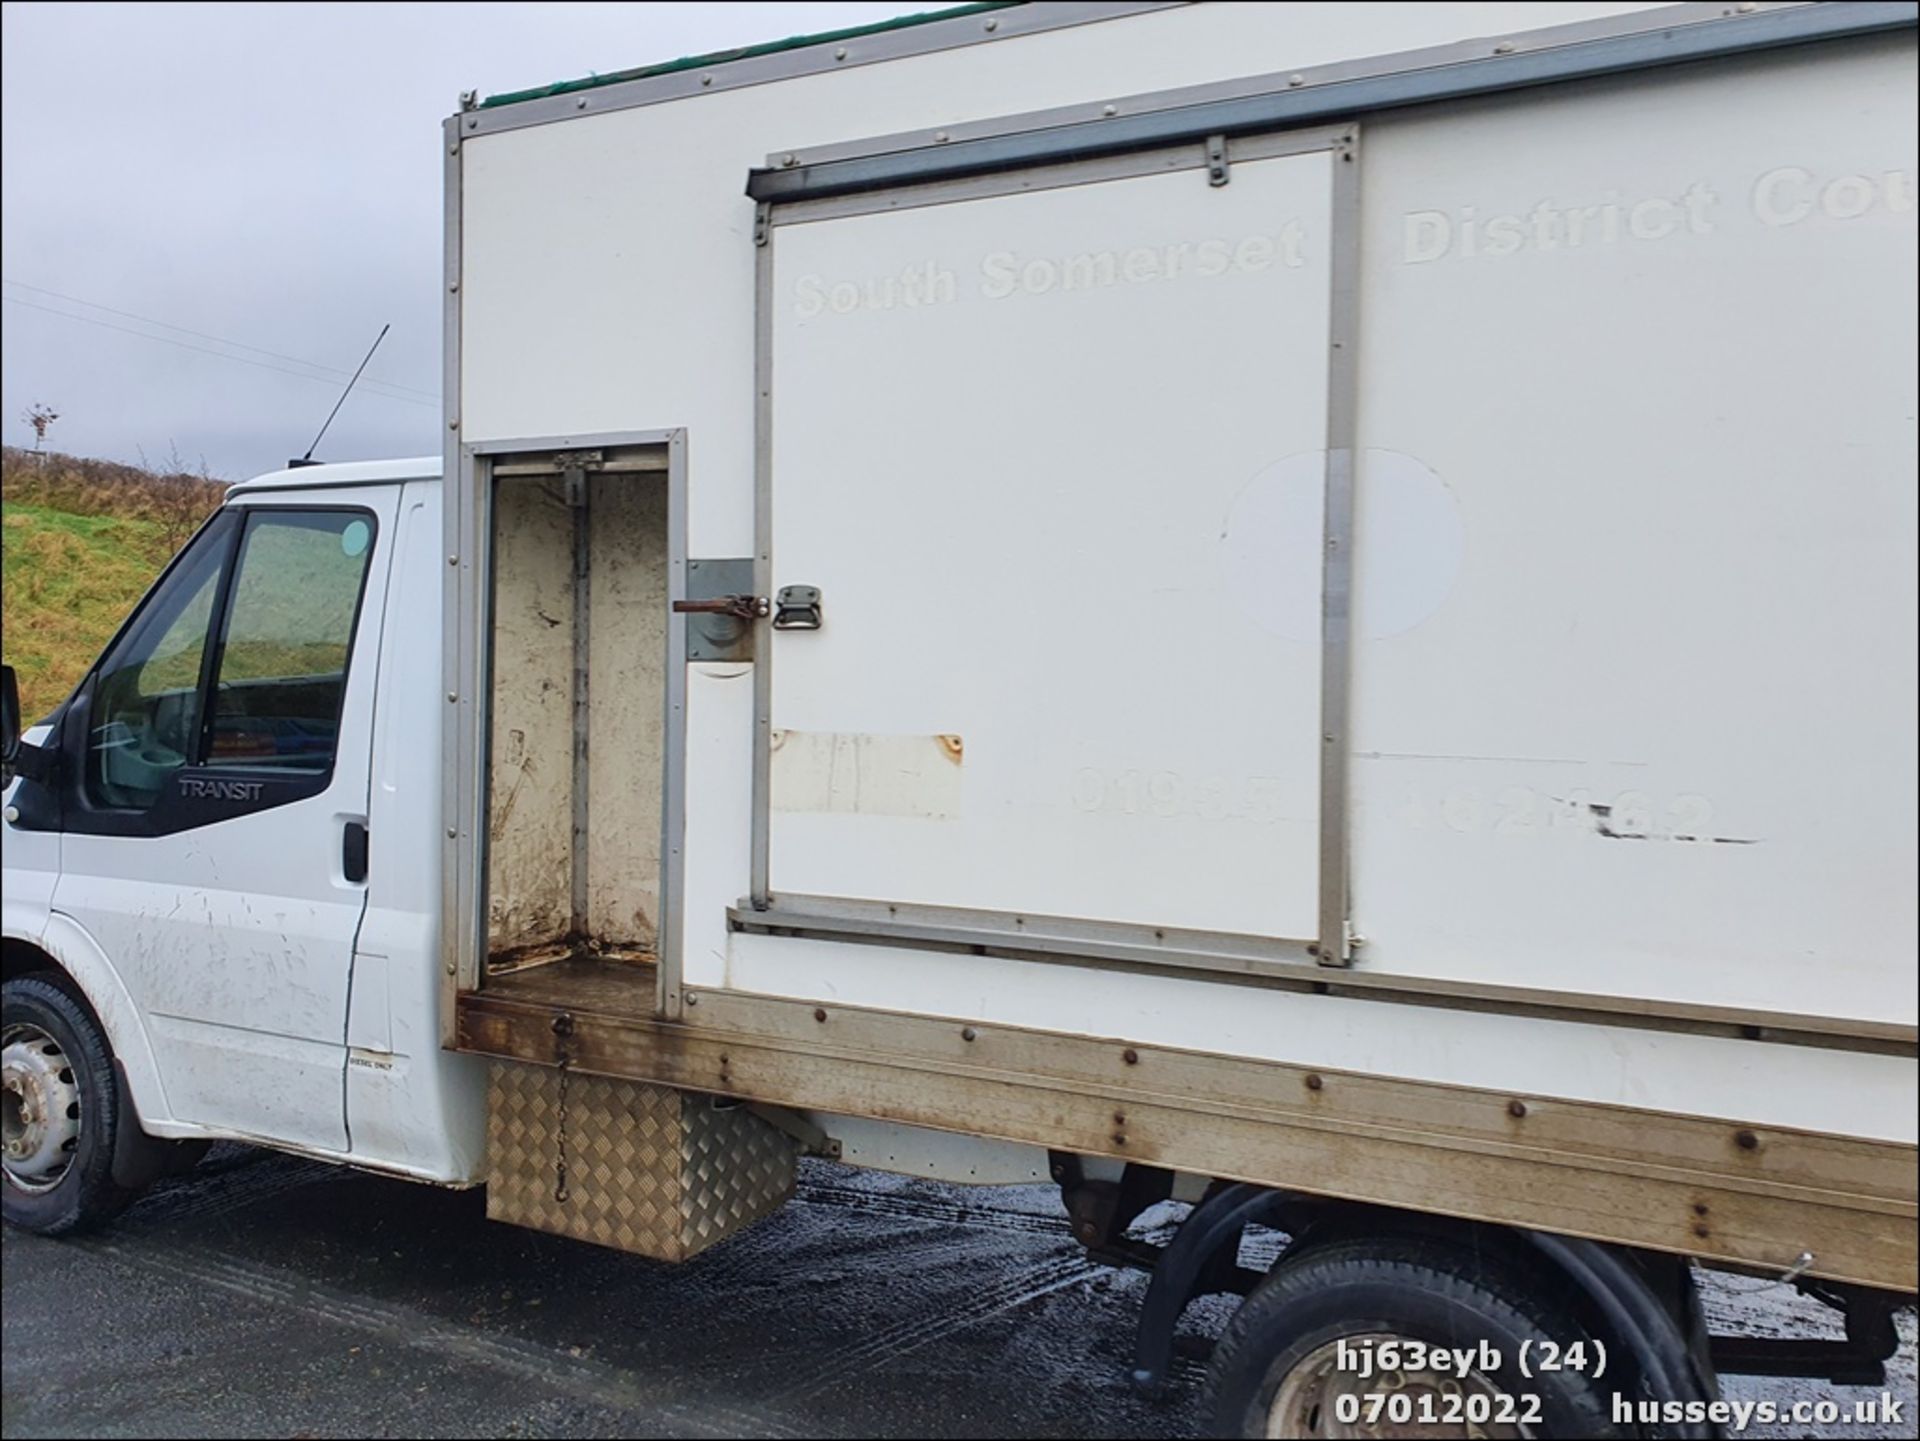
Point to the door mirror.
(34, 763)
(9, 716)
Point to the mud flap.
(642, 1168)
(138, 1158)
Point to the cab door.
(214, 807)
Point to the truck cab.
(226, 841)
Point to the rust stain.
(951, 746)
(624, 953)
(504, 960)
(507, 959)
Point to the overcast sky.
(259, 187)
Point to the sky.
(207, 211)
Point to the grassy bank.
(80, 542)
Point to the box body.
(1614, 379)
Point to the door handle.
(353, 851)
(797, 607)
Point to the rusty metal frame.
(1736, 1194)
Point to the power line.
(392, 393)
(217, 339)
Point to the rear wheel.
(59, 1111)
(1340, 1341)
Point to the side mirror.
(9, 716)
(34, 763)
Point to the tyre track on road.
(891, 1342)
(240, 1184)
(928, 1208)
(201, 1196)
(580, 1377)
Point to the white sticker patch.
(837, 773)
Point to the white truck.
(1305, 609)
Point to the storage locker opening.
(577, 676)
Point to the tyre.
(60, 1110)
(1291, 1361)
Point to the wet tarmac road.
(268, 1295)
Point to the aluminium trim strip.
(580, 503)
(585, 440)
(458, 632)
(1258, 960)
(1415, 78)
(1336, 552)
(761, 802)
(950, 33)
(1099, 170)
(707, 59)
(671, 928)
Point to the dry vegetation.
(171, 496)
(83, 539)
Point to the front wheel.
(59, 1108)
(1401, 1337)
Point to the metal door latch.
(1217, 160)
(797, 607)
(740, 607)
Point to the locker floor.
(607, 985)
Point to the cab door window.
(281, 670)
(236, 663)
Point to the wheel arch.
(65, 948)
(1642, 1304)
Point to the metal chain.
(563, 1056)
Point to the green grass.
(69, 581)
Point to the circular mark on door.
(1408, 535)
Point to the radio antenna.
(308, 459)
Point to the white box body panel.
(1633, 658)
(1681, 452)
